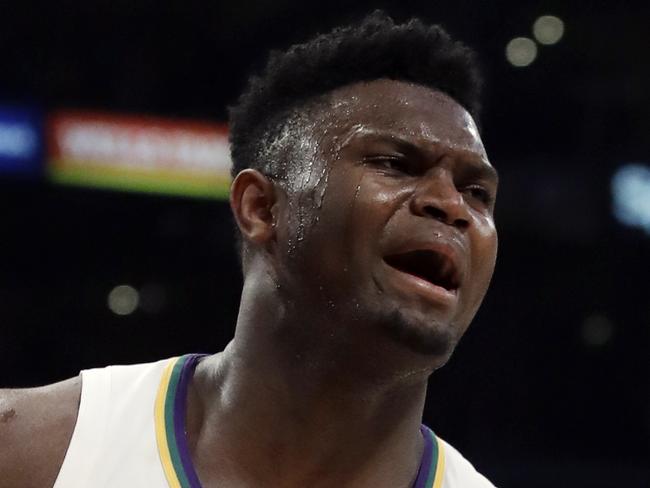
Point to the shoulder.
(36, 425)
(459, 472)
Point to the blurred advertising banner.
(21, 144)
(134, 153)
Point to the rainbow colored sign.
(133, 153)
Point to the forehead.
(406, 110)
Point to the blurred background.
(116, 241)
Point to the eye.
(392, 164)
(480, 193)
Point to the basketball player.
(364, 199)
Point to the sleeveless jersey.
(130, 434)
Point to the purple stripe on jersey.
(426, 470)
(426, 463)
(180, 410)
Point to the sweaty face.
(388, 227)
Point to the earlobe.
(252, 196)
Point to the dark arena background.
(114, 249)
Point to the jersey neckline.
(170, 412)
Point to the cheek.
(352, 220)
(320, 223)
(483, 259)
(485, 252)
(375, 206)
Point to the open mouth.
(428, 265)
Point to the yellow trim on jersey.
(440, 466)
(161, 434)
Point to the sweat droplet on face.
(7, 415)
(319, 197)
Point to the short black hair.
(374, 48)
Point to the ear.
(252, 196)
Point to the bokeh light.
(631, 195)
(521, 51)
(548, 29)
(123, 300)
(597, 330)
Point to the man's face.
(389, 226)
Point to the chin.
(429, 338)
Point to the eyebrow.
(475, 165)
(482, 170)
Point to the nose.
(437, 197)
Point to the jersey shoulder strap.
(114, 440)
(459, 472)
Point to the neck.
(278, 409)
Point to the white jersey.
(130, 434)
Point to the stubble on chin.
(428, 339)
